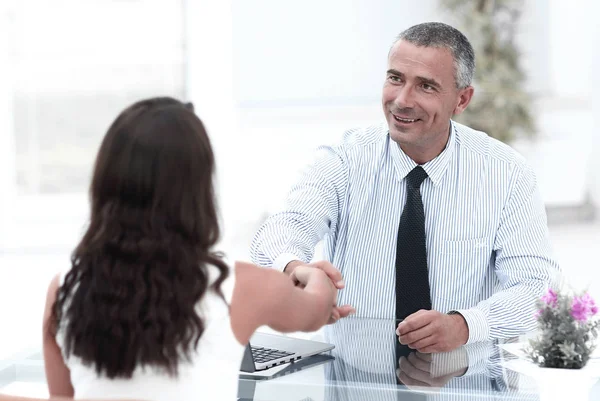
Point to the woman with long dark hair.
(142, 313)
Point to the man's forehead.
(435, 61)
(398, 62)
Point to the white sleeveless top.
(211, 375)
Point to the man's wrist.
(283, 260)
(462, 324)
(289, 268)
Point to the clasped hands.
(338, 312)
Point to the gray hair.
(437, 34)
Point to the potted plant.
(567, 328)
(561, 352)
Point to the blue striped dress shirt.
(488, 250)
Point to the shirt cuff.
(282, 260)
(479, 329)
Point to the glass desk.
(366, 364)
(363, 366)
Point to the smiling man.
(429, 221)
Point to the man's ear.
(464, 99)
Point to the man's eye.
(394, 78)
(428, 87)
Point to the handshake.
(324, 278)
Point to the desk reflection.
(368, 364)
(368, 356)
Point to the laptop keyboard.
(262, 354)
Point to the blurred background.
(272, 80)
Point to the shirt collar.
(435, 168)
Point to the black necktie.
(412, 278)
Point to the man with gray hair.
(427, 220)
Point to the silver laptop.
(268, 350)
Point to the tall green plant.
(500, 107)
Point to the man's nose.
(405, 97)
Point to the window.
(77, 64)
(74, 65)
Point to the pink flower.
(551, 298)
(583, 307)
(579, 310)
(591, 304)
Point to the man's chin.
(402, 132)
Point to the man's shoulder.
(363, 136)
(481, 144)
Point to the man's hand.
(334, 274)
(307, 276)
(431, 331)
(417, 371)
(336, 278)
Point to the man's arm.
(311, 211)
(524, 266)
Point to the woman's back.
(211, 373)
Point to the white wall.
(7, 148)
(59, 53)
(571, 51)
(567, 131)
(593, 176)
(316, 52)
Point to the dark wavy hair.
(140, 269)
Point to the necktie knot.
(416, 177)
